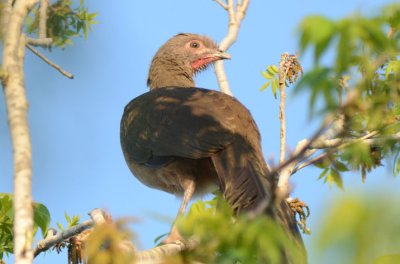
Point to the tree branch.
(44, 4)
(17, 106)
(235, 18)
(158, 254)
(5, 10)
(49, 62)
(222, 4)
(98, 217)
(334, 145)
(43, 42)
(282, 85)
(50, 241)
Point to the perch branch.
(52, 64)
(99, 217)
(157, 254)
(235, 18)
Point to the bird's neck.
(164, 75)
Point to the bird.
(187, 140)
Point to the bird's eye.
(194, 44)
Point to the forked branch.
(235, 18)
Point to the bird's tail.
(242, 176)
(246, 183)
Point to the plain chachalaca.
(183, 140)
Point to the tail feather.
(242, 177)
(245, 183)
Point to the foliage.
(360, 229)
(64, 22)
(105, 242)
(41, 220)
(361, 85)
(71, 221)
(272, 75)
(291, 69)
(223, 239)
(71, 244)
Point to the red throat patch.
(202, 63)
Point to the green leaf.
(267, 75)
(396, 167)
(318, 31)
(275, 85)
(323, 173)
(337, 179)
(392, 67)
(360, 229)
(322, 83)
(41, 217)
(159, 238)
(334, 177)
(272, 70)
(60, 226)
(388, 259)
(265, 86)
(340, 166)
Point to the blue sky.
(77, 160)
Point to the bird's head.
(180, 58)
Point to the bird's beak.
(222, 55)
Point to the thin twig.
(305, 147)
(282, 85)
(224, 6)
(52, 64)
(337, 144)
(311, 161)
(333, 143)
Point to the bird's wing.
(183, 122)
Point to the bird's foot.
(174, 237)
(300, 209)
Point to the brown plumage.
(183, 140)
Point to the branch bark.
(235, 18)
(17, 107)
(44, 4)
(49, 62)
(50, 241)
(282, 117)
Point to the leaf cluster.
(105, 242)
(362, 84)
(224, 239)
(360, 229)
(272, 76)
(65, 21)
(41, 220)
